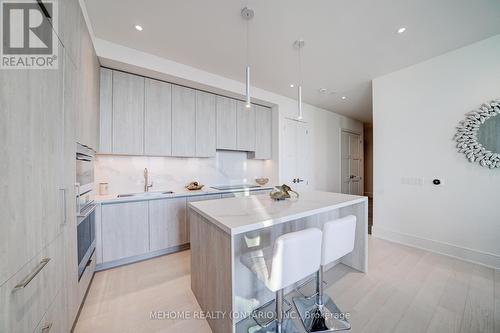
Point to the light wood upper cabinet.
(158, 118)
(125, 230)
(88, 112)
(128, 114)
(205, 124)
(226, 123)
(263, 133)
(167, 223)
(106, 112)
(183, 121)
(245, 120)
(142, 116)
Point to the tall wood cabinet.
(40, 116)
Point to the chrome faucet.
(147, 186)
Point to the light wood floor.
(406, 290)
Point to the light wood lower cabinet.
(167, 223)
(132, 231)
(124, 230)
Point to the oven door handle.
(77, 187)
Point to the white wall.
(324, 126)
(415, 114)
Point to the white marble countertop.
(244, 214)
(178, 192)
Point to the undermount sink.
(144, 194)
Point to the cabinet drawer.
(54, 320)
(24, 307)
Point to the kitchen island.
(224, 231)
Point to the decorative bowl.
(262, 181)
(194, 186)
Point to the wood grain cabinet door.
(183, 121)
(125, 231)
(263, 133)
(158, 118)
(106, 112)
(128, 114)
(226, 123)
(245, 127)
(167, 223)
(205, 124)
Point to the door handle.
(299, 180)
(32, 275)
(294, 180)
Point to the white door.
(352, 167)
(295, 154)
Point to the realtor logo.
(28, 38)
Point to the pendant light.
(299, 44)
(247, 14)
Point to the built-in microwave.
(84, 177)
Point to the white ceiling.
(348, 42)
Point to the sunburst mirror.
(478, 135)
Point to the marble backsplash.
(125, 174)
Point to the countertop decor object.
(478, 136)
(282, 192)
(262, 181)
(194, 186)
(103, 188)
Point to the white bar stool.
(295, 256)
(320, 314)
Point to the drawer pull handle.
(46, 328)
(32, 275)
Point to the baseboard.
(477, 257)
(142, 257)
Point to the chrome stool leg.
(320, 313)
(281, 324)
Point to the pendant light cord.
(300, 65)
(248, 42)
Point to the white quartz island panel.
(239, 215)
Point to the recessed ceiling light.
(292, 85)
(323, 90)
(344, 97)
(138, 28)
(401, 30)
